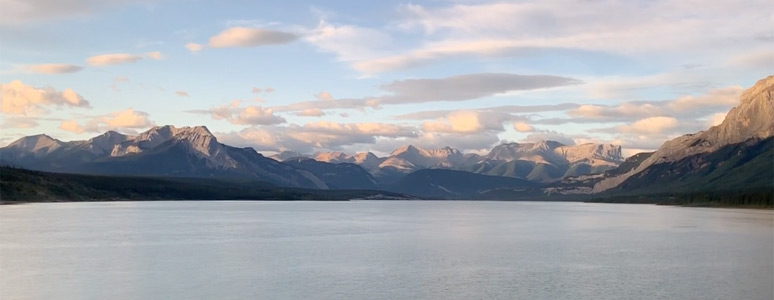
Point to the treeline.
(752, 198)
(20, 185)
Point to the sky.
(312, 76)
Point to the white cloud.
(689, 106)
(467, 87)
(467, 122)
(313, 136)
(19, 12)
(256, 115)
(123, 120)
(313, 112)
(250, 37)
(628, 28)
(624, 110)
(349, 43)
(515, 109)
(725, 97)
(53, 68)
(71, 126)
(759, 59)
(112, 59)
(652, 125)
(372, 129)
(128, 118)
(523, 127)
(548, 135)
(358, 103)
(18, 98)
(248, 115)
(155, 55)
(716, 119)
(454, 88)
(324, 96)
(182, 94)
(194, 47)
(19, 123)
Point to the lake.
(383, 250)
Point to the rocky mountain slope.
(749, 122)
(734, 167)
(160, 151)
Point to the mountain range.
(160, 151)
(544, 161)
(736, 155)
(196, 152)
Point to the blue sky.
(373, 75)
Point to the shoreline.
(692, 205)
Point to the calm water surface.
(383, 250)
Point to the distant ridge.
(544, 161)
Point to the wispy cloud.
(242, 115)
(496, 29)
(54, 68)
(454, 88)
(250, 37)
(315, 135)
(15, 12)
(112, 59)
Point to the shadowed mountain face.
(450, 184)
(336, 176)
(160, 151)
(742, 166)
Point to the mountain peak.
(199, 130)
(751, 119)
(596, 154)
(198, 137)
(284, 155)
(404, 149)
(331, 157)
(761, 86)
(171, 130)
(36, 142)
(108, 135)
(106, 141)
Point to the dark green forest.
(19, 185)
